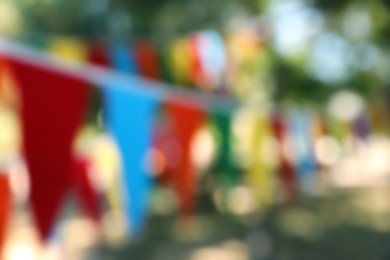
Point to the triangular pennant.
(164, 65)
(260, 175)
(223, 162)
(52, 109)
(130, 122)
(300, 124)
(147, 60)
(197, 74)
(303, 145)
(68, 49)
(187, 117)
(338, 129)
(378, 121)
(122, 57)
(180, 62)
(285, 167)
(319, 126)
(97, 55)
(213, 59)
(362, 126)
(76, 51)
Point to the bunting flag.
(52, 109)
(223, 162)
(68, 49)
(122, 58)
(362, 126)
(213, 60)
(285, 168)
(165, 66)
(186, 117)
(130, 122)
(97, 55)
(301, 129)
(223, 165)
(197, 75)
(180, 63)
(341, 130)
(378, 124)
(5, 206)
(336, 128)
(320, 130)
(49, 125)
(147, 60)
(83, 186)
(75, 51)
(260, 173)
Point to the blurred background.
(306, 172)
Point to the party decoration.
(165, 68)
(122, 57)
(260, 175)
(197, 74)
(212, 58)
(186, 116)
(376, 111)
(52, 104)
(97, 55)
(303, 146)
(362, 126)
(285, 167)
(130, 122)
(75, 51)
(68, 49)
(319, 125)
(49, 124)
(224, 163)
(147, 60)
(338, 129)
(180, 62)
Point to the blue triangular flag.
(130, 122)
(301, 129)
(129, 119)
(122, 58)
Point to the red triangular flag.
(186, 119)
(285, 167)
(84, 189)
(52, 108)
(5, 204)
(97, 55)
(147, 60)
(197, 73)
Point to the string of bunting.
(54, 90)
